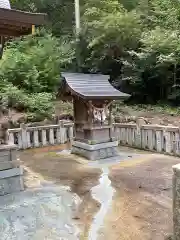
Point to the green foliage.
(135, 41)
(60, 13)
(37, 103)
(32, 64)
(30, 73)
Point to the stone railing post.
(176, 201)
(62, 131)
(71, 133)
(168, 144)
(138, 137)
(10, 136)
(23, 136)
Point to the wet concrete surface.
(125, 199)
(42, 213)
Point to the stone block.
(13, 155)
(8, 147)
(102, 153)
(176, 201)
(11, 172)
(8, 154)
(11, 181)
(110, 152)
(9, 164)
(5, 158)
(95, 146)
(96, 154)
(11, 185)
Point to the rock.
(15, 124)
(22, 119)
(4, 126)
(171, 125)
(164, 123)
(133, 118)
(125, 119)
(177, 124)
(140, 121)
(65, 117)
(46, 122)
(118, 119)
(148, 121)
(156, 121)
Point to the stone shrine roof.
(91, 86)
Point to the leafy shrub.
(34, 63)
(38, 103)
(30, 73)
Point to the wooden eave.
(91, 87)
(17, 23)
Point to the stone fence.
(162, 139)
(34, 137)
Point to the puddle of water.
(103, 193)
(65, 151)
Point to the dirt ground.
(141, 206)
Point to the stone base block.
(11, 181)
(8, 153)
(95, 152)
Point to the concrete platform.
(38, 214)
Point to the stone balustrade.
(162, 139)
(40, 136)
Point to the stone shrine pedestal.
(11, 173)
(97, 151)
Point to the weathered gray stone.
(11, 173)
(176, 201)
(110, 152)
(11, 185)
(156, 121)
(9, 164)
(13, 155)
(8, 147)
(159, 141)
(39, 213)
(140, 121)
(94, 147)
(96, 154)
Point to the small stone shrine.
(92, 96)
(13, 23)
